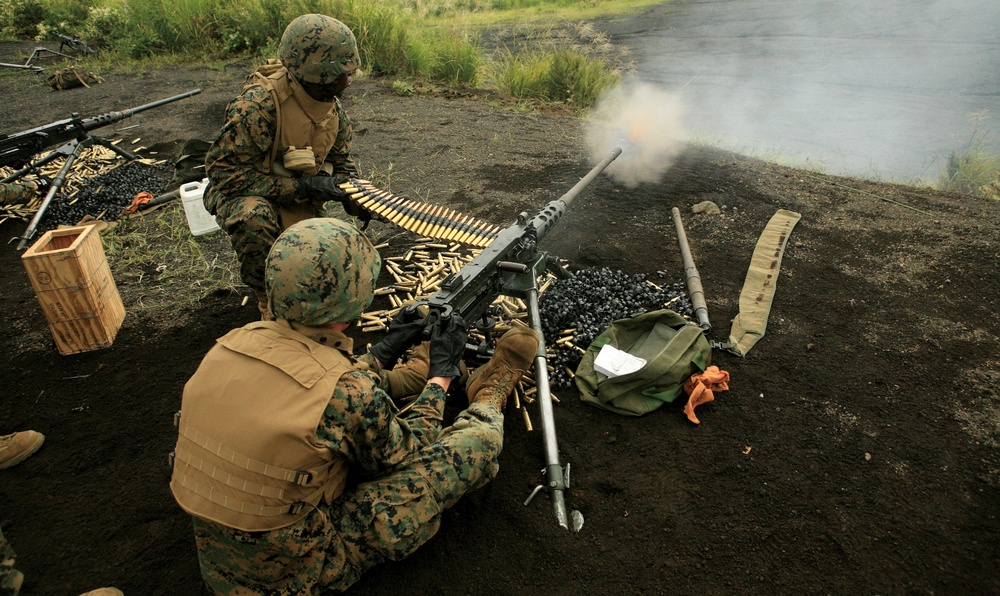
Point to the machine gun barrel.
(547, 217)
(73, 134)
(19, 147)
(110, 117)
(471, 290)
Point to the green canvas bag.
(673, 348)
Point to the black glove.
(404, 333)
(42, 184)
(323, 188)
(448, 338)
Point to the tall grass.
(553, 75)
(974, 169)
(221, 28)
(383, 33)
(456, 61)
(394, 39)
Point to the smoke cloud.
(885, 89)
(645, 121)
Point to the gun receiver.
(510, 265)
(73, 134)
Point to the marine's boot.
(513, 355)
(17, 447)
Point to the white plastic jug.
(199, 219)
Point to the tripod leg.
(72, 151)
(63, 151)
(22, 66)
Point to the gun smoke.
(645, 121)
(884, 89)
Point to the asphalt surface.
(883, 90)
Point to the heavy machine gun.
(73, 134)
(510, 265)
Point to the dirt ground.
(856, 451)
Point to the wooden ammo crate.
(73, 282)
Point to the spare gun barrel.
(691, 276)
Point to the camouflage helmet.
(318, 49)
(321, 271)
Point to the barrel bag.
(673, 348)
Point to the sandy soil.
(855, 452)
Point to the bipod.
(71, 151)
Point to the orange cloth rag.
(140, 199)
(701, 388)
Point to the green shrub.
(383, 38)
(972, 171)
(560, 75)
(576, 79)
(25, 17)
(104, 27)
(249, 26)
(522, 75)
(419, 56)
(403, 88)
(186, 25)
(68, 16)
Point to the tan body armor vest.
(247, 455)
(301, 120)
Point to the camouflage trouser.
(389, 518)
(253, 224)
(381, 520)
(15, 193)
(7, 572)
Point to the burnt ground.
(855, 452)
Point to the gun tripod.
(71, 151)
(38, 53)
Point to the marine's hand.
(404, 332)
(448, 337)
(323, 188)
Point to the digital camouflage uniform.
(7, 572)
(416, 470)
(243, 195)
(244, 200)
(15, 193)
(401, 471)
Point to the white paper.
(613, 362)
